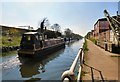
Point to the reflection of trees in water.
(70, 43)
(11, 53)
(70, 46)
(32, 66)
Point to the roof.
(31, 33)
(103, 19)
(12, 27)
(4, 26)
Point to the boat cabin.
(31, 40)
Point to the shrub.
(85, 49)
(93, 40)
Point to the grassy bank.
(10, 41)
(93, 40)
(0, 41)
(85, 48)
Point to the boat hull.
(41, 52)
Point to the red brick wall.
(96, 30)
(104, 25)
(104, 36)
(100, 30)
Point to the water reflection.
(69, 43)
(33, 80)
(32, 66)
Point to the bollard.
(66, 80)
(68, 74)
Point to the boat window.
(28, 39)
(37, 37)
(40, 37)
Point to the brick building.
(5, 30)
(92, 34)
(101, 29)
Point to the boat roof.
(54, 39)
(31, 33)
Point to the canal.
(50, 67)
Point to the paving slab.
(100, 64)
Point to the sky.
(80, 17)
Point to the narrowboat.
(34, 44)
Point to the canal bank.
(100, 64)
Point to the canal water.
(50, 67)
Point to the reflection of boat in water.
(33, 44)
(31, 67)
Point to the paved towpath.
(99, 65)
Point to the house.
(101, 28)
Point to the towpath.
(100, 64)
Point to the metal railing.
(69, 75)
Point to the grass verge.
(12, 41)
(93, 40)
(85, 48)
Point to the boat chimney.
(118, 13)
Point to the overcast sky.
(78, 16)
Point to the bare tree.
(56, 27)
(68, 33)
(30, 28)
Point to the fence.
(69, 75)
